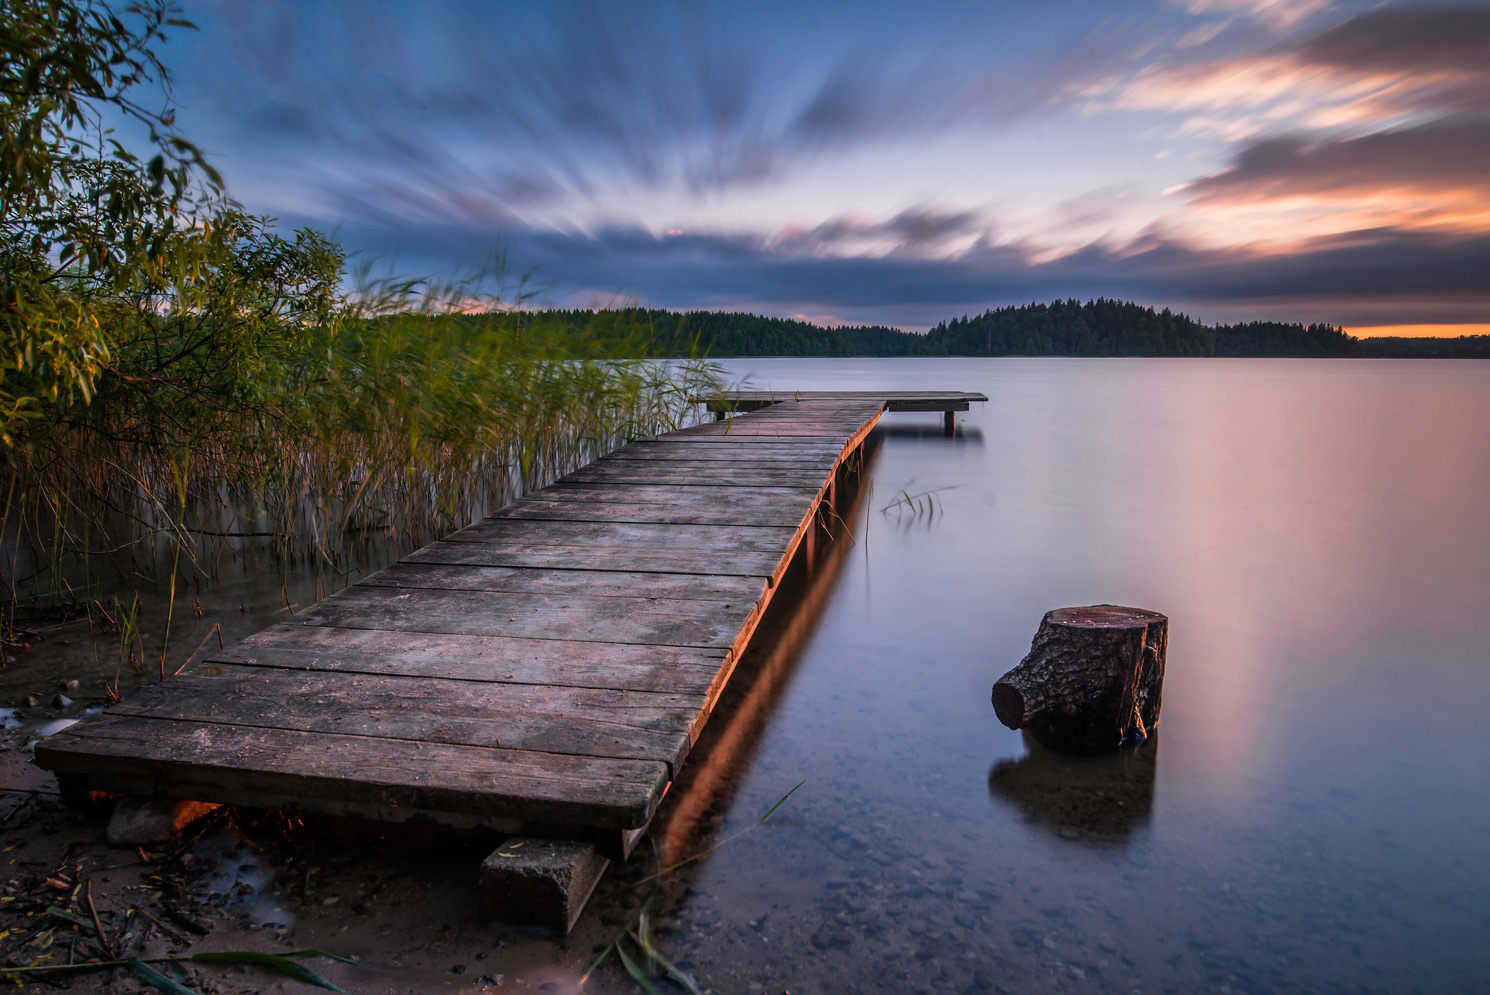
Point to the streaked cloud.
(1369, 277)
(1382, 67)
(1443, 167)
(1277, 14)
(923, 230)
(858, 160)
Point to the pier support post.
(949, 423)
(539, 885)
(138, 821)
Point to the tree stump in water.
(1092, 678)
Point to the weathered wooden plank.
(683, 669)
(673, 495)
(899, 400)
(695, 473)
(659, 560)
(819, 412)
(215, 761)
(405, 575)
(574, 721)
(533, 616)
(811, 396)
(638, 535)
(786, 455)
(736, 430)
(717, 436)
(641, 514)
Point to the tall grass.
(374, 433)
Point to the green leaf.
(313, 952)
(147, 973)
(277, 962)
(637, 974)
(75, 920)
(780, 802)
(649, 947)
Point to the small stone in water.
(70, 685)
(62, 701)
(31, 701)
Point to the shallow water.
(1314, 814)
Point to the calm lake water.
(1314, 813)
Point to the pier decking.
(544, 671)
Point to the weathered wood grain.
(636, 725)
(637, 535)
(895, 400)
(717, 436)
(625, 666)
(657, 622)
(514, 553)
(406, 575)
(786, 515)
(694, 473)
(206, 760)
(657, 495)
(667, 448)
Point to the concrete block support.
(151, 821)
(539, 884)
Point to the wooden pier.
(541, 673)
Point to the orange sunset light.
(1418, 331)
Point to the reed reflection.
(1102, 797)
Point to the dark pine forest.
(1100, 327)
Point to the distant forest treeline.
(1098, 327)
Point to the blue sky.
(891, 163)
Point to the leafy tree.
(172, 368)
(83, 220)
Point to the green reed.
(363, 437)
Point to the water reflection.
(1320, 818)
(1102, 797)
(727, 748)
(967, 435)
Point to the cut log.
(1092, 679)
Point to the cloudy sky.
(878, 162)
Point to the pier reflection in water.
(704, 791)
